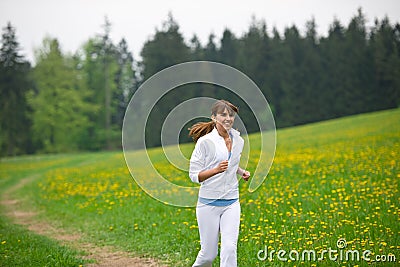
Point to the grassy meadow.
(329, 180)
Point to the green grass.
(329, 180)
(19, 247)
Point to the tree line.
(70, 102)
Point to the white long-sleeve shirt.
(209, 151)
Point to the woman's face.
(225, 119)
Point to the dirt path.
(104, 256)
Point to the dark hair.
(203, 128)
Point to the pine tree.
(386, 58)
(165, 49)
(14, 83)
(100, 64)
(211, 51)
(313, 93)
(276, 76)
(229, 48)
(358, 75)
(292, 99)
(333, 70)
(196, 50)
(125, 80)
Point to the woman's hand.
(246, 175)
(222, 166)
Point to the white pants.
(213, 220)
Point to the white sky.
(73, 22)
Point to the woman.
(214, 164)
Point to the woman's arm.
(204, 175)
(240, 171)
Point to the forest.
(66, 102)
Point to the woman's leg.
(230, 222)
(208, 218)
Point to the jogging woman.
(215, 164)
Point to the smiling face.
(223, 114)
(225, 119)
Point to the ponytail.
(200, 129)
